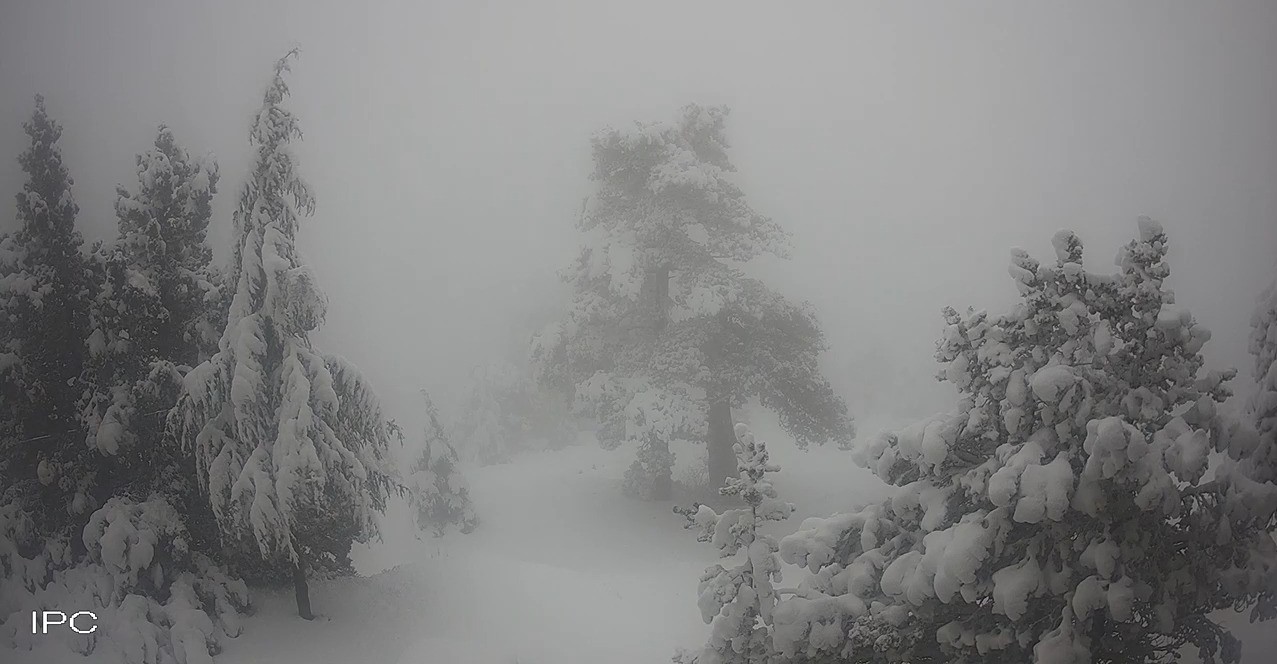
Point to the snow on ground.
(563, 569)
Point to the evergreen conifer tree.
(666, 333)
(1062, 513)
(44, 465)
(291, 445)
(150, 321)
(437, 489)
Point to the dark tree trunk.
(655, 296)
(663, 483)
(722, 438)
(302, 591)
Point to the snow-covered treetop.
(274, 198)
(274, 190)
(171, 208)
(665, 203)
(667, 183)
(46, 208)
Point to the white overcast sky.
(907, 146)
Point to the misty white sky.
(907, 146)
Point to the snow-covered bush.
(156, 598)
(738, 602)
(291, 446)
(437, 490)
(1065, 511)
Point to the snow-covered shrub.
(157, 599)
(738, 602)
(437, 490)
(1064, 512)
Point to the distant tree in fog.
(504, 412)
(1063, 512)
(666, 334)
(437, 489)
(291, 445)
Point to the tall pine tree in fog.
(291, 445)
(1062, 513)
(43, 315)
(151, 319)
(666, 334)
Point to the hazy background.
(907, 146)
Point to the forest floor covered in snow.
(563, 569)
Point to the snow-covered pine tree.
(436, 488)
(1063, 513)
(738, 602)
(661, 305)
(151, 320)
(1263, 345)
(1261, 464)
(291, 446)
(43, 317)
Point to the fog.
(907, 147)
